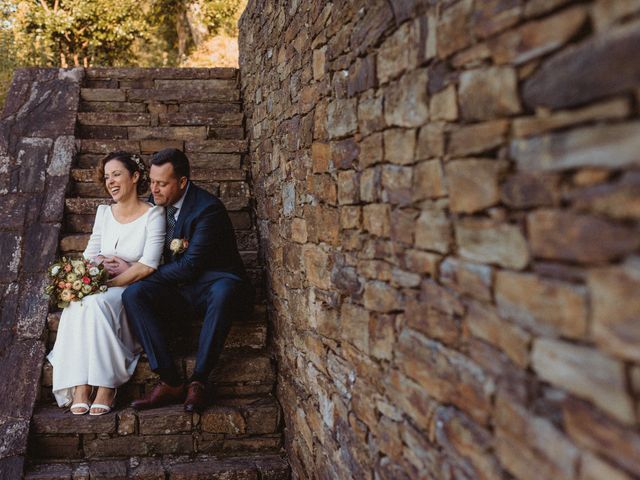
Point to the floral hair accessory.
(178, 245)
(141, 167)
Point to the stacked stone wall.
(37, 145)
(448, 196)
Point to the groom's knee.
(133, 294)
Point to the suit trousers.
(155, 309)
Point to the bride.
(95, 346)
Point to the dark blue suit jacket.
(212, 253)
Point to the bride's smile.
(119, 182)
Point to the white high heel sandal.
(84, 406)
(104, 408)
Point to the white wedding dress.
(95, 345)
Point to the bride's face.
(119, 181)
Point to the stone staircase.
(239, 436)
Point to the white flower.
(86, 289)
(55, 270)
(93, 271)
(71, 277)
(103, 288)
(77, 285)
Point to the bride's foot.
(81, 399)
(104, 401)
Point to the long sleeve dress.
(95, 344)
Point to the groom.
(202, 275)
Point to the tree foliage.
(112, 32)
(77, 32)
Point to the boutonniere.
(178, 245)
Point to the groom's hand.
(115, 266)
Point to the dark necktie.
(171, 225)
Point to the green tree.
(77, 32)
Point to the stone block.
(581, 74)
(537, 38)
(599, 433)
(530, 446)
(473, 184)
(618, 108)
(355, 326)
(348, 187)
(67, 446)
(215, 146)
(526, 190)
(433, 229)
(11, 243)
(562, 235)
(180, 444)
(320, 155)
(166, 420)
(223, 420)
(370, 116)
(54, 420)
(444, 105)
(362, 75)
(467, 278)
(619, 200)
(102, 95)
(484, 322)
(428, 180)
(406, 103)
(116, 119)
(586, 373)
(485, 94)
(447, 375)
(593, 467)
(477, 138)
(454, 29)
(342, 118)
(376, 219)
(170, 133)
(371, 150)
(488, 241)
(381, 297)
(344, 153)
(399, 146)
(616, 308)
(317, 266)
(105, 146)
(609, 147)
(396, 183)
(547, 307)
(397, 53)
(430, 142)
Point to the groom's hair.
(176, 157)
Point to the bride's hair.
(132, 162)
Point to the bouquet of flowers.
(73, 279)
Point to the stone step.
(141, 118)
(271, 467)
(134, 73)
(175, 92)
(104, 146)
(248, 333)
(213, 108)
(240, 372)
(228, 426)
(200, 132)
(225, 428)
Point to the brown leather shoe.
(196, 398)
(162, 394)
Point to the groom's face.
(166, 188)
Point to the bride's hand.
(115, 266)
